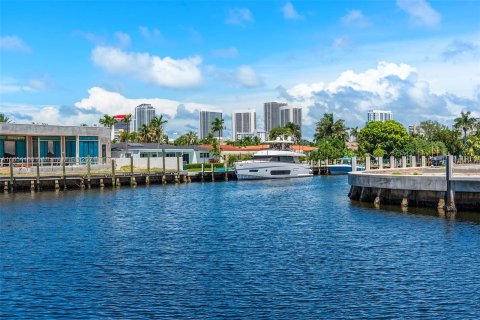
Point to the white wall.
(155, 163)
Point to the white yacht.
(277, 162)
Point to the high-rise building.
(271, 114)
(379, 115)
(206, 119)
(119, 126)
(144, 114)
(244, 123)
(290, 114)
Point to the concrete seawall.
(423, 187)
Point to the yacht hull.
(270, 170)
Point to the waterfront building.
(379, 115)
(144, 114)
(120, 126)
(262, 134)
(189, 154)
(244, 123)
(271, 114)
(33, 141)
(206, 119)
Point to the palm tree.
(191, 138)
(218, 126)
(4, 118)
(465, 123)
(354, 133)
(328, 128)
(157, 128)
(127, 119)
(108, 121)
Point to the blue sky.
(70, 62)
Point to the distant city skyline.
(78, 60)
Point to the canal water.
(291, 249)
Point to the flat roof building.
(206, 119)
(380, 115)
(144, 114)
(244, 122)
(271, 113)
(47, 141)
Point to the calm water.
(265, 249)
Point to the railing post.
(88, 172)
(38, 176)
(213, 173)
(148, 165)
(367, 163)
(64, 174)
(11, 174)
(163, 165)
(226, 172)
(380, 163)
(178, 168)
(424, 162)
(413, 161)
(113, 173)
(450, 185)
(392, 162)
(203, 172)
(354, 164)
(404, 161)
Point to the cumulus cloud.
(164, 72)
(420, 12)
(109, 102)
(290, 13)
(239, 16)
(389, 86)
(230, 52)
(355, 18)
(14, 43)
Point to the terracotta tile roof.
(226, 147)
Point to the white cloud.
(12, 85)
(420, 12)
(355, 18)
(166, 72)
(290, 13)
(123, 39)
(389, 86)
(247, 77)
(239, 16)
(230, 52)
(13, 43)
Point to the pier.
(450, 188)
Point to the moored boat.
(277, 162)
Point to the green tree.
(328, 128)
(126, 119)
(328, 148)
(107, 121)
(451, 140)
(431, 129)
(354, 133)
(472, 148)
(157, 128)
(218, 126)
(464, 123)
(390, 136)
(189, 138)
(216, 150)
(282, 132)
(4, 118)
(294, 130)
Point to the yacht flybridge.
(276, 162)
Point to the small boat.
(276, 162)
(344, 167)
